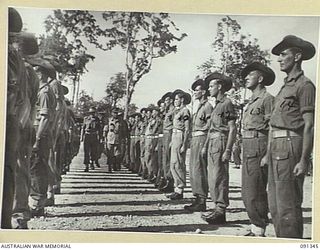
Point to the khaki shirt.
(113, 136)
(152, 127)
(91, 125)
(168, 118)
(258, 111)
(46, 105)
(180, 116)
(222, 113)
(201, 119)
(296, 97)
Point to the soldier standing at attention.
(180, 133)
(255, 138)
(167, 184)
(198, 163)
(90, 135)
(46, 106)
(137, 153)
(218, 146)
(132, 127)
(291, 138)
(142, 128)
(159, 149)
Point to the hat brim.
(168, 94)
(307, 48)
(186, 96)
(36, 61)
(201, 83)
(269, 75)
(15, 20)
(227, 81)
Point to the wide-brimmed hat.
(186, 96)
(160, 101)
(28, 43)
(227, 81)
(65, 89)
(168, 94)
(201, 83)
(268, 74)
(37, 61)
(15, 20)
(54, 61)
(291, 41)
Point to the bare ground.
(122, 201)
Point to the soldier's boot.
(97, 164)
(199, 205)
(91, 166)
(86, 168)
(168, 187)
(216, 217)
(37, 212)
(19, 224)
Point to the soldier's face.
(149, 114)
(253, 79)
(287, 60)
(162, 107)
(178, 101)
(168, 101)
(214, 88)
(198, 92)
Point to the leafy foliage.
(116, 89)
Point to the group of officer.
(277, 135)
(42, 135)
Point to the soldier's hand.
(203, 152)
(182, 149)
(264, 161)
(226, 156)
(301, 168)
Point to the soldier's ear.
(298, 57)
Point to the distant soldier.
(160, 181)
(291, 138)
(137, 161)
(151, 143)
(255, 139)
(198, 163)
(180, 134)
(46, 106)
(113, 136)
(142, 128)
(218, 146)
(90, 136)
(132, 130)
(167, 184)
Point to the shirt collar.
(260, 94)
(293, 77)
(221, 99)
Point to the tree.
(232, 50)
(132, 108)
(116, 89)
(85, 102)
(69, 53)
(143, 36)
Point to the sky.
(178, 70)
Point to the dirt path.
(122, 201)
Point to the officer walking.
(218, 146)
(198, 163)
(90, 135)
(291, 137)
(180, 133)
(255, 138)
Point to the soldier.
(137, 162)
(180, 133)
(142, 128)
(160, 175)
(291, 138)
(167, 183)
(151, 142)
(198, 163)
(21, 211)
(15, 68)
(255, 138)
(90, 135)
(132, 129)
(113, 140)
(46, 106)
(218, 146)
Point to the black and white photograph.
(157, 122)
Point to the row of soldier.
(42, 136)
(277, 142)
